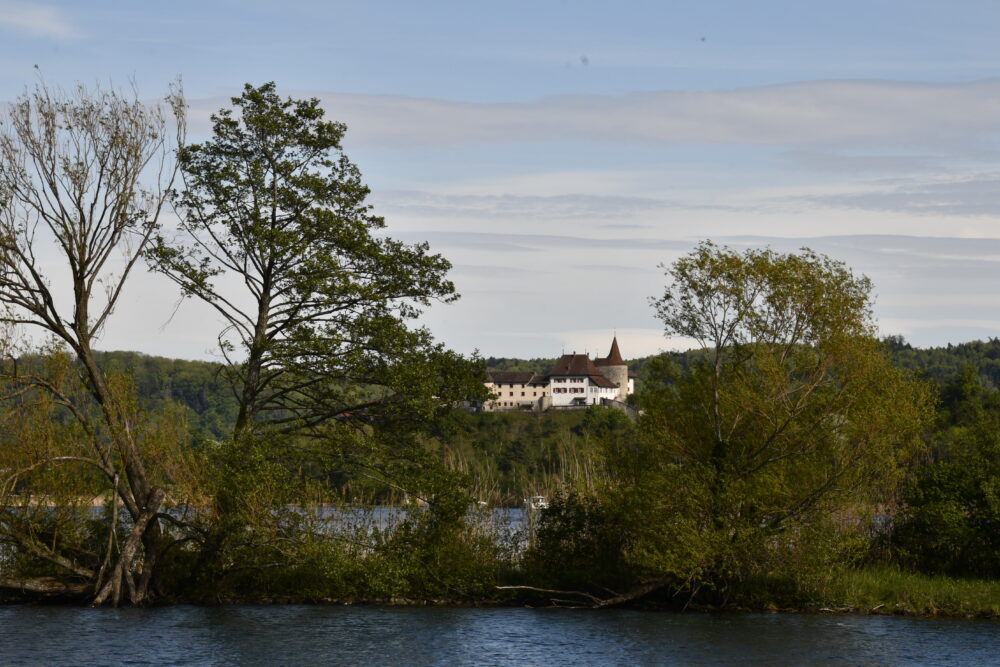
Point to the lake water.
(333, 635)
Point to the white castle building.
(573, 381)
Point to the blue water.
(333, 635)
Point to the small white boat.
(536, 503)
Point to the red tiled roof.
(602, 381)
(573, 364)
(580, 365)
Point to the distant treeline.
(943, 364)
(211, 407)
(937, 364)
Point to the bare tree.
(85, 174)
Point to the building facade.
(514, 390)
(574, 381)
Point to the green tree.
(328, 370)
(950, 519)
(276, 236)
(950, 516)
(782, 437)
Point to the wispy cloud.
(490, 271)
(938, 246)
(805, 115)
(563, 206)
(928, 265)
(533, 242)
(623, 225)
(36, 19)
(844, 163)
(613, 268)
(968, 195)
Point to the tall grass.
(886, 589)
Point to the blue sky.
(557, 152)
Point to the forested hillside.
(197, 385)
(944, 364)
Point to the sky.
(557, 153)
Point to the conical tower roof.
(614, 357)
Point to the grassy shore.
(873, 590)
(888, 590)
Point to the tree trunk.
(126, 569)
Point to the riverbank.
(884, 591)
(879, 590)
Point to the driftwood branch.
(634, 594)
(44, 585)
(594, 599)
(595, 602)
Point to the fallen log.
(44, 585)
(595, 601)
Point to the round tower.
(613, 367)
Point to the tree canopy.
(277, 237)
(790, 425)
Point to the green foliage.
(950, 519)
(434, 557)
(537, 366)
(943, 364)
(333, 383)
(272, 205)
(775, 444)
(581, 542)
(198, 386)
(602, 423)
